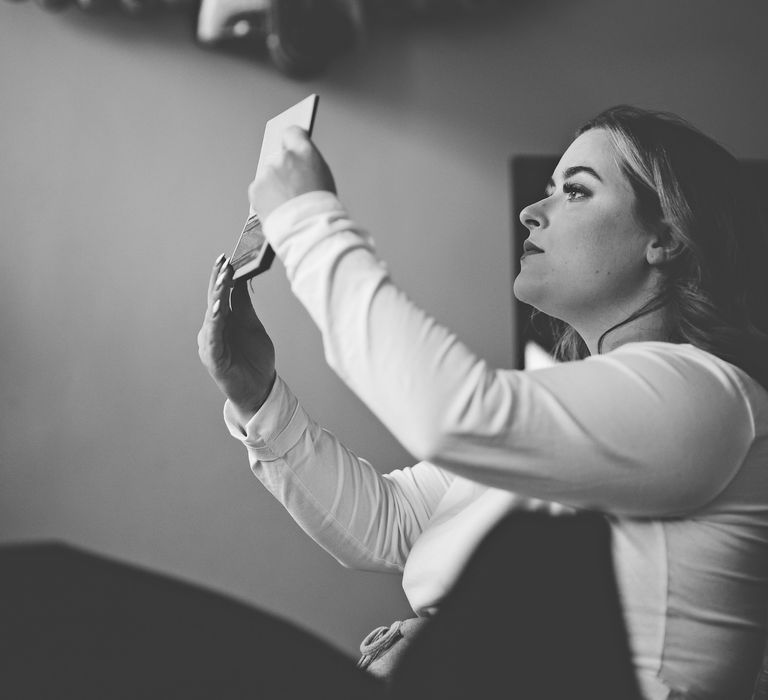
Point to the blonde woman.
(647, 251)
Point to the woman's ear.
(664, 247)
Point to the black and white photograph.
(383, 349)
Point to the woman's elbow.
(423, 440)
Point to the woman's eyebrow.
(573, 170)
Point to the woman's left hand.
(297, 169)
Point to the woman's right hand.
(233, 344)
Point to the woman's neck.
(650, 326)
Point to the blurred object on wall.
(300, 37)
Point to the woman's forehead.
(593, 149)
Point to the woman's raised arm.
(649, 429)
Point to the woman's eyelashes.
(572, 190)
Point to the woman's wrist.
(247, 408)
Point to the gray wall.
(125, 152)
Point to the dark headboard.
(529, 175)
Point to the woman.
(648, 253)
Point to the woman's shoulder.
(691, 363)
(682, 353)
(676, 378)
(662, 348)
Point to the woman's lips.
(530, 248)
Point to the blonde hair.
(714, 287)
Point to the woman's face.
(592, 266)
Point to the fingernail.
(220, 279)
(216, 306)
(225, 262)
(221, 259)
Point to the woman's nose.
(533, 216)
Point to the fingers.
(218, 303)
(215, 272)
(297, 145)
(210, 339)
(295, 170)
(296, 139)
(296, 142)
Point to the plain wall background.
(125, 153)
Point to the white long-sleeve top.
(668, 440)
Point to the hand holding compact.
(233, 344)
(297, 169)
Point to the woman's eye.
(574, 191)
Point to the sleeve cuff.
(282, 220)
(275, 428)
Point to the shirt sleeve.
(364, 519)
(646, 430)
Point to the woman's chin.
(524, 291)
(533, 293)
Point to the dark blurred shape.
(409, 10)
(53, 5)
(305, 35)
(300, 37)
(94, 6)
(535, 615)
(140, 8)
(75, 625)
